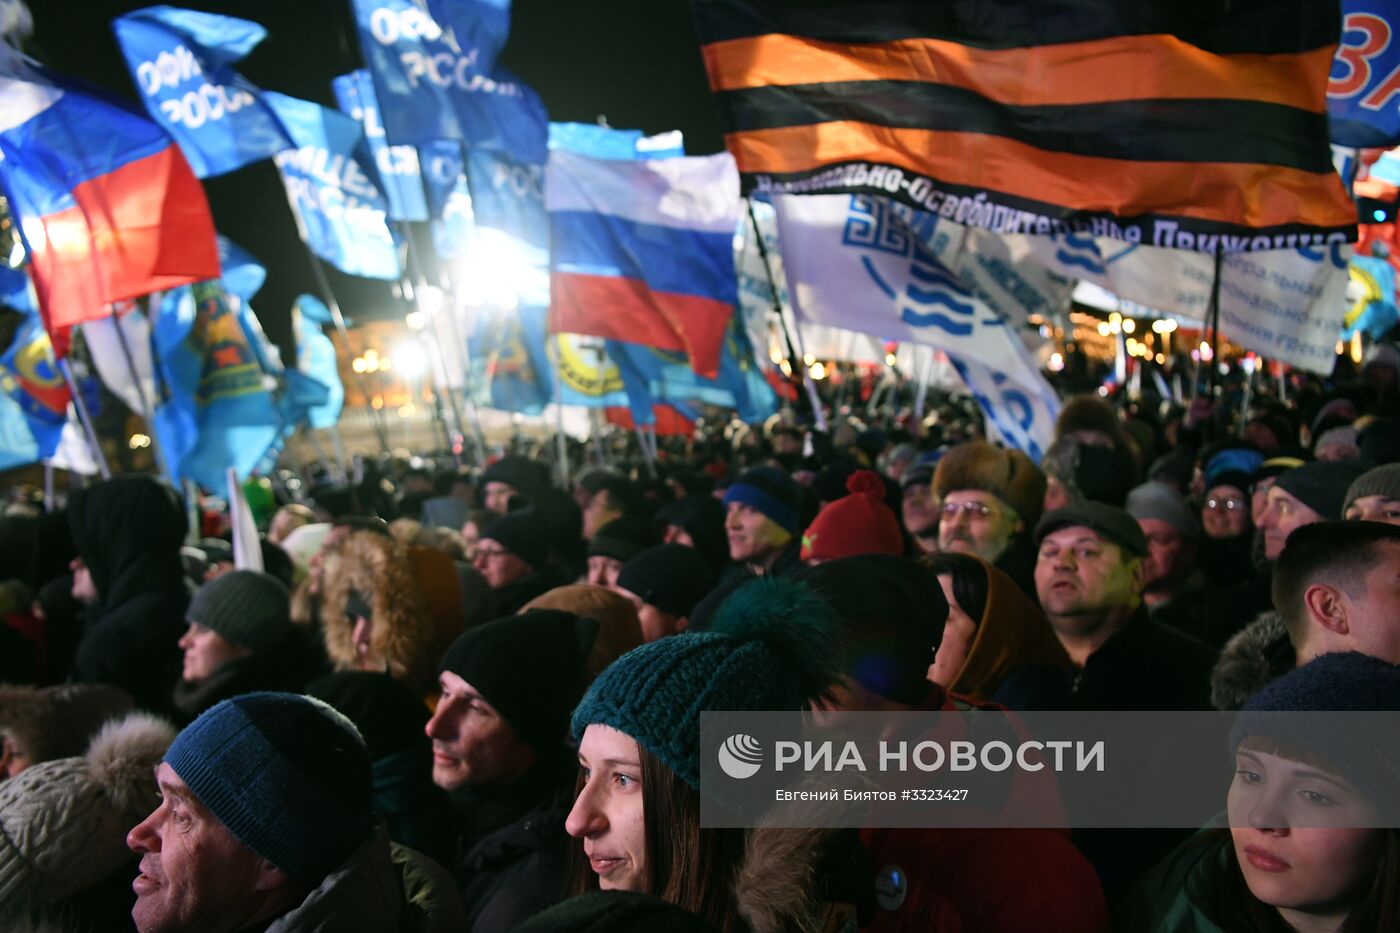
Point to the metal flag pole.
(647, 454)
(793, 336)
(561, 444)
(146, 408)
(1215, 322)
(324, 285)
(458, 431)
(84, 418)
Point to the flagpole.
(1215, 322)
(48, 486)
(416, 274)
(794, 337)
(161, 462)
(84, 418)
(561, 445)
(647, 454)
(329, 296)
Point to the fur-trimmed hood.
(779, 888)
(63, 823)
(411, 628)
(45, 723)
(1255, 655)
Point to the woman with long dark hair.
(770, 646)
(1311, 843)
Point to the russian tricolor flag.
(644, 251)
(107, 205)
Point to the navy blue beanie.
(1346, 681)
(286, 774)
(770, 491)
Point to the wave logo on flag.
(930, 295)
(181, 61)
(108, 208)
(340, 212)
(644, 251)
(1020, 406)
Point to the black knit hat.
(530, 667)
(521, 473)
(671, 577)
(525, 533)
(701, 517)
(385, 710)
(1105, 520)
(245, 607)
(1322, 485)
(623, 538)
(892, 612)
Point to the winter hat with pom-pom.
(858, 523)
(772, 645)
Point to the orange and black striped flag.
(1195, 124)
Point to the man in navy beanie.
(265, 823)
(762, 518)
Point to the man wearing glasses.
(991, 498)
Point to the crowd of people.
(467, 697)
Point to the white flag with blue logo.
(862, 264)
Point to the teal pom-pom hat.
(772, 645)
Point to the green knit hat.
(771, 645)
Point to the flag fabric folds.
(1363, 93)
(108, 208)
(219, 411)
(36, 397)
(434, 68)
(316, 358)
(862, 264)
(643, 251)
(182, 63)
(399, 175)
(1139, 121)
(341, 213)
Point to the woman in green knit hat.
(770, 646)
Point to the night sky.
(635, 62)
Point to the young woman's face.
(1299, 834)
(607, 815)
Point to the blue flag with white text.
(399, 174)
(434, 69)
(341, 213)
(449, 196)
(182, 63)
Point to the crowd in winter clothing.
(467, 697)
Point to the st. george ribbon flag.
(434, 67)
(1147, 122)
(182, 63)
(1363, 93)
(340, 212)
(643, 251)
(108, 208)
(400, 177)
(861, 264)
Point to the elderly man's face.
(977, 523)
(195, 876)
